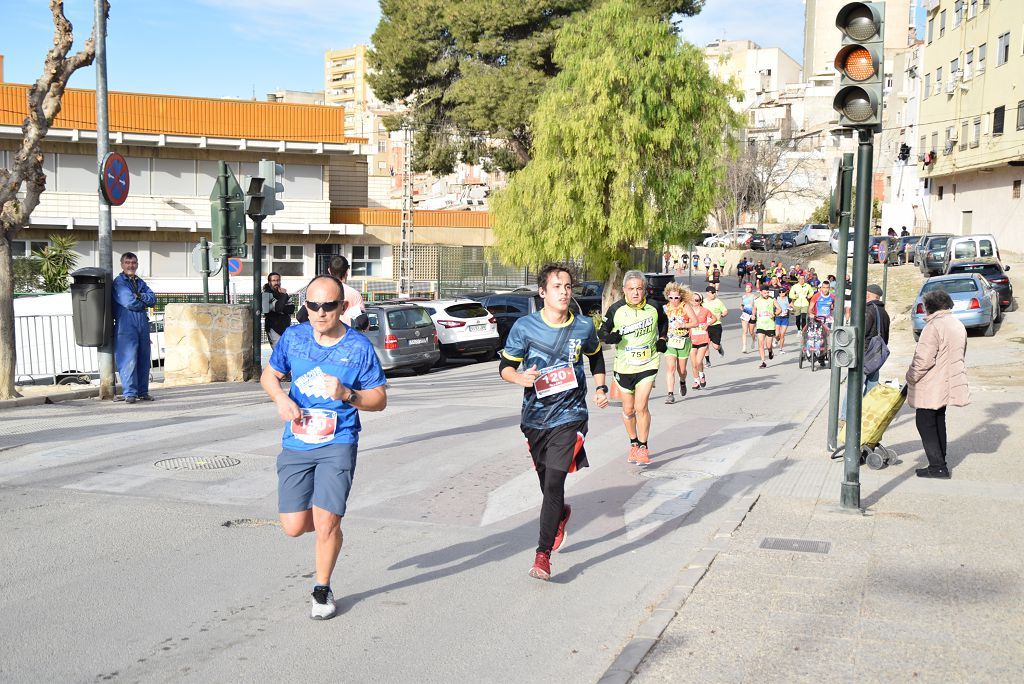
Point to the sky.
(242, 48)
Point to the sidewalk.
(926, 586)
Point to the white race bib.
(555, 380)
(315, 426)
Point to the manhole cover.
(800, 545)
(249, 522)
(197, 463)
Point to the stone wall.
(207, 343)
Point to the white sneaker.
(322, 604)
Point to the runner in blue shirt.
(335, 374)
(544, 355)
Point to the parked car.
(588, 296)
(813, 232)
(759, 241)
(970, 247)
(710, 241)
(993, 271)
(975, 302)
(873, 247)
(403, 335)
(786, 239)
(656, 283)
(908, 248)
(464, 329)
(931, 253)
(833, 242)
(509, 307)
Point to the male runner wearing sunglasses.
(336, 374)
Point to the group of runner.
(337, 375)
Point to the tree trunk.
(760, 218)
(8, 355)
(612, 286)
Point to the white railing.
(46, 349)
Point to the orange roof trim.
(420, 218)
(195, 116)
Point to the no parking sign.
(234, 266)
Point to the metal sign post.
(204, 245)
(844, 187)
(104, 241)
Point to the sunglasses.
(326, 306)
(674, 297)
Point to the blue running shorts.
(319, 477)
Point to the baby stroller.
(814, 349)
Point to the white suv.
(464, 328)
(813, 232)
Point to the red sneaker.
(560, 535)
(541, 566)
(642, 457)
(634, 450)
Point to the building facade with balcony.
(971, 132)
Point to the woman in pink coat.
(937, 378)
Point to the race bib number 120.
(554, 380)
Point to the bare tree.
(779, 168)
(22, 185)
(736, 193)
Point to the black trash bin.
(92, 307)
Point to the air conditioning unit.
(921, 157)
(951, 86)
(949, 146)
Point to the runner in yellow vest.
(765, 311)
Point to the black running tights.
(931, 424)
(552, 486)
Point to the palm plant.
(57, 260)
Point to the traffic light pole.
(257, 289)
(850, 494)
(225, 236)
(204, 248)
(842, 254)
(104, 240)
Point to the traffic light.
(272, 174)
(904, 154)
(232, 230)
(254, 199)
(844, 346)
(861, 65)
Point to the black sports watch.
(352, 395)
(601, 388)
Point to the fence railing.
(46, 351)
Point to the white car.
(464, 329)
(813, 232)
(711, 241)
(833, 242)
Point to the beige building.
(822, 39)
(757, 71)
(345, 83)
(971, 129)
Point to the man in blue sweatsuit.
(131, 331)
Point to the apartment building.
(758, 72)
(173, 146)
(903, 201)
(971, 128)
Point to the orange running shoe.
(634, 453)
(642, 457)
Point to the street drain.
(799, 545)
(197, 463)
(249, 522)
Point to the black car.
(588, 295)
(759, 241)
(786, 240)
(656, 283)
(874, 241)
(509, 307)
(994, 273)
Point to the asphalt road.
(117, 569)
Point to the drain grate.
(800, 545)
(197, 463)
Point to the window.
(940, 192)
(1016, 189)
(927, 85)
(1003, 53)
(969, 65)
(982, 50)
(942, 23)
(1020, 115)
(998, 115)
(931, 30)
(366, 261)
(958, 12)
(954, 192)
(985, 248)
(24, 248)
(963, 135)
(923, 148)
(303, 181)
(169, 259)
(935, 142)
(972, 9)
(976, 137)
(382, 146)
(175, 177)
(76, 173)
(954, 69)
(938, 81)
(287, 260)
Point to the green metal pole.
(850, 493)
(204, 248)
(225, 239)
(841, 261)
(257, 298)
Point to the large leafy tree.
(472, 70)
(23, 184)
(629, 144)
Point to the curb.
(647, 635)
(57, 397)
